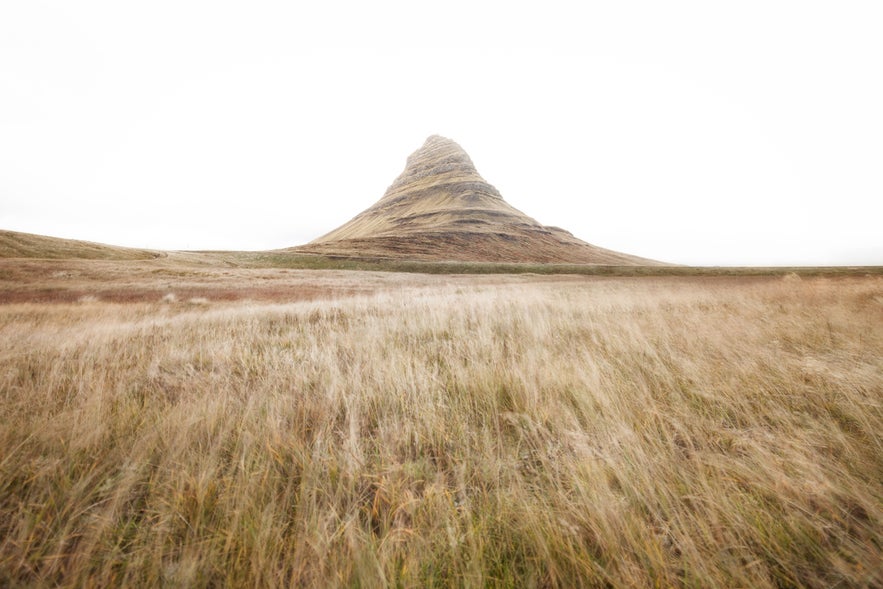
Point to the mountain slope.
(14, 244)
(440, 208)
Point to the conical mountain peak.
(440, 160)
(439, 151)
(440, 208)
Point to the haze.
(747, 134)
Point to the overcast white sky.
(693, 132)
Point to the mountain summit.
(440, 208)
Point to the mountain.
(440, 208)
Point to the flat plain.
(183, 421)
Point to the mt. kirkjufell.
(440, 209)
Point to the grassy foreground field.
(521, 431)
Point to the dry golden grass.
(579, 432)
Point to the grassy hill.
(14, 244)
